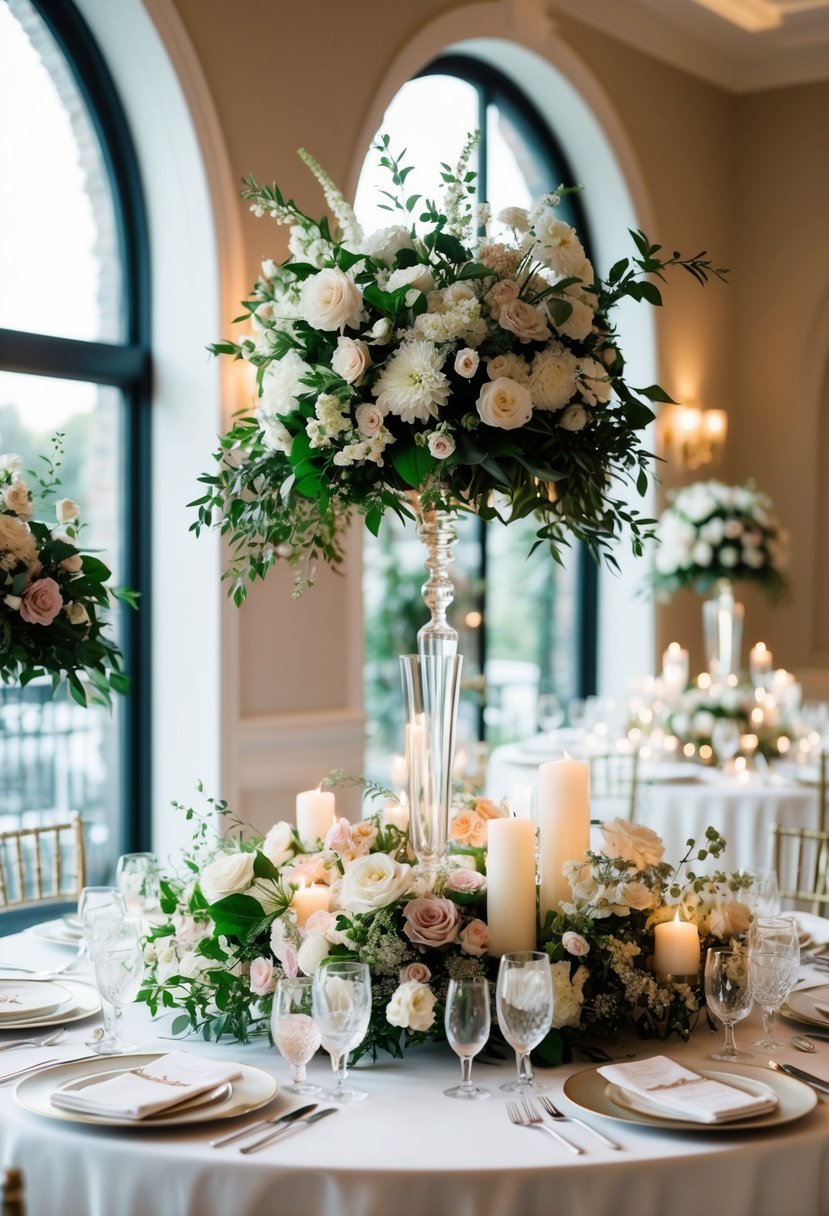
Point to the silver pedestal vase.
(722, 619)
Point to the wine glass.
(342, 1008)
(524, 1001)
(763, 896)
(549, 712)
(119, 969)
(774, 959)
(728, 995)
(294, 1030)
(91, 899)
(136, 877)
(467, 1030)
(725, 739)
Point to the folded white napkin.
(147, 1090)
(680, 1092)
(812, 928)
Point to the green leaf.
(236, 915)
(655, 392)
(413, 463)
(373, 519)
(263, 867)
(180, 1024)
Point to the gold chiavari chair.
(41, 865)
(614, 785)
(801, 860)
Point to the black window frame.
(126, 366)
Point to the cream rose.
(526, 322)
(474, 938)
(314, 948)
(431, 920)
(369, 420)
(67, 510)
(568, 994)
(17, 498)
(331, 300)
(412, 1007)
(574, 418)
(729, 919)
(15, 538)
(372, 882)
(632, 842)
(278, 845)
(77, 614)
(262, 977)
(351, 359)
(574, 943)
(440, 446)
(418, 277)
(229, 874)
(466, 362)
(505, 404)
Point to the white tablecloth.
(741, 810)
(409, 1150)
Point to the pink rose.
(467, 882)
(474, 938)
(526, 322)
(290, 963)
(321, 922)
(417, 973)
(574, 943)
(431, 921)
(41, 602)
(308, 869)
(338, 836)
(262, 978)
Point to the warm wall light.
(694, 437)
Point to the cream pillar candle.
(307, 900)
(760, 664)
(314, 815)
(510, 885)
(397, 814)
(676, 948)
(564, 822)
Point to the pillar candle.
(564, 821)
(510, 885)
(760, 664)
(314, 815)
(306, 900)
(676, 948)
(397, 814)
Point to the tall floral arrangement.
(53, 596)
(471, 359)
(713, 531)
(232, 929)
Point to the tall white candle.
(306, 900)
(510, 885)
(564, 821)
(676, 948)
(314, 815)
(760, 665)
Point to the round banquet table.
(410, 1150)
(741, 809)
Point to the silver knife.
(256, 1127)
(271, 1136)
(798, 1073)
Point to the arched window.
(527, 627)
(74, 358)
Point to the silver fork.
(557, 1115)
(28, 974)
(802, 1043)
(525, 1116)
(51, 1039)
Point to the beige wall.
(741, 177)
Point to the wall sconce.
(694, 437)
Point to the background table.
(410, 1150)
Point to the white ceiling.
(742, 45)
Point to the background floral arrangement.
(421, 357)
(232, 932)
(52, 594)
(693, 717)
(713, 531)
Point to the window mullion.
(72, 359)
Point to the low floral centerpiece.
(469, 358)
(235, 925)
(712, 532)
(53, 596)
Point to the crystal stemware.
(728, 996)
(93, 898)
(119, 968)
(549, 712)
(524, 1001)
(467, 1022)
(136, 876)
(342, 1008)
(294, 1030)
(763, 896)
(774, 959)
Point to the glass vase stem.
(436, 528)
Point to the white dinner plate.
(645, 1106)
(252, 1090)
(29, 999)
(590, 1091)
(82, 1002)
(213, 1096)
(800, 1006)
(58, 931)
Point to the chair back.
(43, 864)
(614, 782)
(801, 860)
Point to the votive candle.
(676, 949)
(310, 899)
(314, 815)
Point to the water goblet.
(119, 970)
(342, 1008)
(467, 1023)
(524, 1001)
(763, 896)
(774, 959)
(91, 899)
(294, 1030)
(136, 877)
(549, 712)
(725, 739)
(728, 995)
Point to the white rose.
(505, 404)
(369, 420)
(574, 943)
(386, 243)
(373, 881)
(515, 217)
(632, 842)
(635, 895)
(380, 333)
(412, 1006)
(66, 510)
(13, 602)
(331, 300)
(313, 950)
(440, 445)
(702, 553)
(580, 321)
(278, 845)
(574, 418)
(275, 435)
(229, 874)
(351, 359)
(193, 965)
(568, 995)
(466, 362)
(418, 277)
(10, 463)
(166, 963)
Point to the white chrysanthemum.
(281, 385)
(412, 385)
